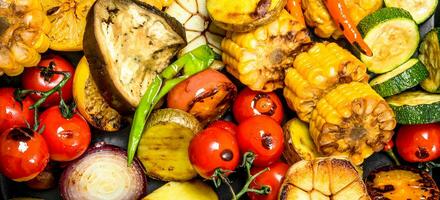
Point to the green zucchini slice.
(392, 35)
(404, 77)
(416, 107)
(420, 10)
(430, 57)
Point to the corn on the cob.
(259, 58)
(23, 35)
(318, 71)
(352, 120)
(317, 16)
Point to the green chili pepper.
(192, 62)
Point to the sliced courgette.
(392, 35)
(416, 107)
(420, 10)
(404, 77)
(430, 57)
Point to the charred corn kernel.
(317, 16)
(352, 120)
(259, 58)
(316, 72)
(23, 35)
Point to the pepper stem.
(393, 156)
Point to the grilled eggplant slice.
(126, 44)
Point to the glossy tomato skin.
(67, 139)
(419, 143)
(23, 154)
(273, 178)
(34, 80)
(263, 136)
(213, 148)
(223, 124)
(12, 113)
(251, 103)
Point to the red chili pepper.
(294, 8)
(388, 149)
(389, 145)
(340, 14)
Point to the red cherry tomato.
(211, 149)
(263, 136)
(67, 139)
(273, 178)
(251, 103)
(23, 154)
(419, 143)
(12, 113)
(223, 124)
(33, 79)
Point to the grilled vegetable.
(102, 174)
(420, 10)
(416, 107)
(429, 51)
(243, 16)
(392, 35)
(193, 190)
(404, 77)
(401, 183)
(163, 149)
(125, 50)
(419, 143)
(352, 120)
(294, 7)
(318, 17)
(323, 178)
(318, 71)
(299, 143)
(159, 4)
(23, 35)
(90, 102)
(260, 57)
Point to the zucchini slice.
(392, 35)
(420, 10)
(429, 56)
(416, 107)
(404, 77)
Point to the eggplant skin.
(127, 43)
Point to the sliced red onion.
(102, 173)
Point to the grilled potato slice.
(193, 190)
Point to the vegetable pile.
(268, 99)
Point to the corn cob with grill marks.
(259, 58)
(352, 120)
(318, 71)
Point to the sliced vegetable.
(392, 35)
(14, 113)
(404, 77)
(192, 190)
(401, 182)
(323, 178)
(429, 51)
(259, 58)
(102, 174)
(243, 16)
(416, 107)
(420, 10)
(353, 121)
(299, 143)
(126, 51)
(163, 149)
(193, 62)
(419, 143)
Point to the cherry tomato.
(211, 149)
(34, 79)
(23, 154)
(67, 139)
(207, 95)
(419, 143)
(223, 124)
(251, 103)
(263, 136)
(273, 178)
(14, 113)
